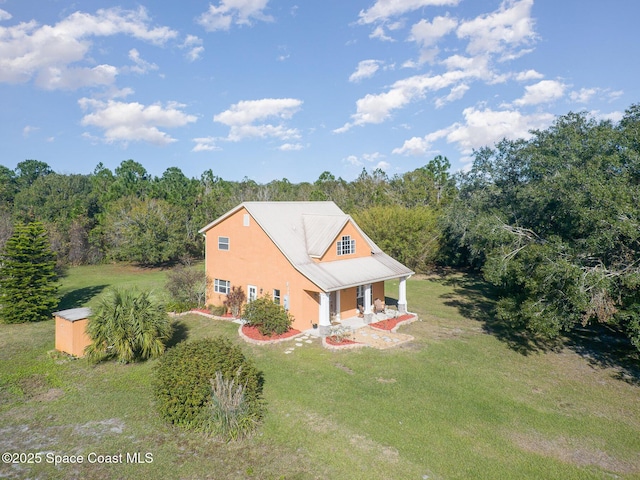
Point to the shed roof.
(73, 314)
(305, 230)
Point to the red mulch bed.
(391, 323)
(254, 334)
(345, 341)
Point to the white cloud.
(456, 93)
(228, 12)
(353, 160)
(500, 32)
(365, 69)
(194, 48)
(290, 147)
(480, 128)
(528, 75)
(27, 130)
(545, 91)
(242, 116)
(378, 108)
(583, 95)
(125, 122)
(205, 144)
(141, 66)
(46, 53)
(384, 9)
(427, 33)
(4, 15)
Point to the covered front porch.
(358, 304)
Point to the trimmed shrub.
(185, 394)
(128, 325)
(269, 317)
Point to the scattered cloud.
(427, 34)
(481, 127)
(291, 147)
(4, 15)
(50, 54)
(193, 45)
(545, 91)
(205, 144)
(246, 118)
(28, 130)
(365, 69)
(528, 75)
(385, 9)
(456, 93)
(500, 32)
(127, 122)
(229, 12)
(141, 66)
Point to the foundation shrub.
(268, 317)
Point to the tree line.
(129, 215)
(551, 221)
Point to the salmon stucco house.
(310, 257)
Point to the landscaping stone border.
(265, 342)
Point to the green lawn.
(454, 403)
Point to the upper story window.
(223, 243)
(346, 246)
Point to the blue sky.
(279, 88)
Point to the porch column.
(368, 312)
(402, 295)
(324, 315)
(338, 306)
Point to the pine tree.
(28, 284)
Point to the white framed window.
(221, 286)
(276, 296)
(223, 243)
(346, 245)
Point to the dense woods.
(552, 221)
(129, 215)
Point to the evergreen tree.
(27, 276)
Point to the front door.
(252, 293)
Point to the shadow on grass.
(180, 333)
(80, 296)
(603, 346)
(476, 299)
(599, 344)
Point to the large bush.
(269, 317)
(187, 287)
(128, 325)
(209, 385)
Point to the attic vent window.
(245, 220)
(346, 246)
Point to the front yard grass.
(454, 403)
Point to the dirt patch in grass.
(575, 451)
(344, 368)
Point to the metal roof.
(305, 230)
(73, 314)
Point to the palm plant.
(128, 325)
